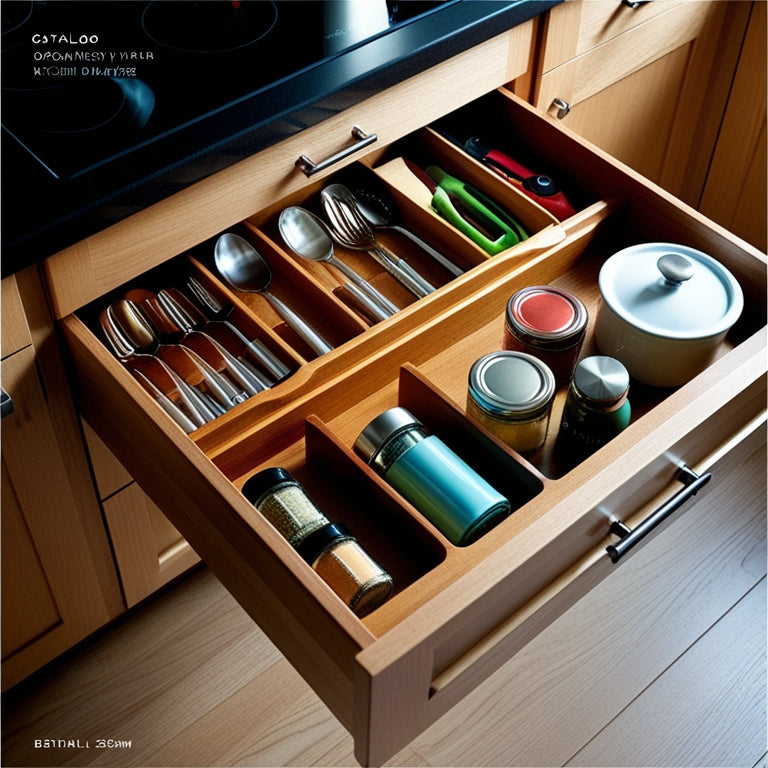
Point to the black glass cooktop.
(111, 105)
(82, 86)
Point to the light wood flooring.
(663, 664)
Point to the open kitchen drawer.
(457, 613)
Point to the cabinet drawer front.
(408, 679)
(574, 28)
(149, 551)
(457, 612)
(176, 224)
(581, 77)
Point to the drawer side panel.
(302, 617)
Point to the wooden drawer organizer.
(457, 612)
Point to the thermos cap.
(601, 379)
(379, 431)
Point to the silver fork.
(216, 310)
(352, 230)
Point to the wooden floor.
(663, 664)
(189, 681)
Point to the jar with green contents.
(511, 393)
(596, 409)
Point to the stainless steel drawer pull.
(563, 108)
(631, 536)
(309, 168)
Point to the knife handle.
(443, 204)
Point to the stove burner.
(15, 15)
(208, 27)
(79, 106)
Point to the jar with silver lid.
(596, 409)
(548, 323)
(329, 548)
(511, 395)
(425, 471)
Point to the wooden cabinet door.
(653, 95)
(735, 192)
(51, 594)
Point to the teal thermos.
(426, 472)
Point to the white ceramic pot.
(665, 310)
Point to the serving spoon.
(380, 215)
(353, 230)
(308, 236)
(245, 269)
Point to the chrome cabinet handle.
(634, 3)
(6, 404)
(563, 108)
(309, 168)
(629, 537)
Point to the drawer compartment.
(457, 612)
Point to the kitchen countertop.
(43, 213)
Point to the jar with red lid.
(548, 323)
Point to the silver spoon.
(135, 325)
(164, 402)
(124, 349)
(308, 236)
(245, 269)
(184, 316)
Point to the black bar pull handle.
(629, 537)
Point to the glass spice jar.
(511, 395)
(329, 548)
(426, 472)
(548, 323)
(596, 408)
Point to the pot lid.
(671, 290)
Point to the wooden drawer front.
(172, 226)
(149, 551)
(15, 332)
(457, 612)
(580, 78)
(574, 28)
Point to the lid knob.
(675, 268)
